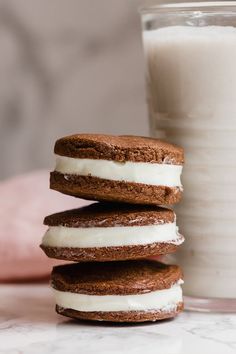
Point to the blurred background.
(67, 66)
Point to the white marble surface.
(28, 324)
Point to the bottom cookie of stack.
(127, 291)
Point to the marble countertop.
(28, 324)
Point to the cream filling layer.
(79, 237)
(137, 172)
(163, 300)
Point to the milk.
(191, 78)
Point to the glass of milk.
(190, 53)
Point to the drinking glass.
(190, 54)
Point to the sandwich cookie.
(129, 169)
(108, 232)
(129, 291)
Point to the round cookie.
(128, 291)
(108, 232)
(131, 169)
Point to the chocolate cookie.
(108, 232)
(128, 291)
(129, 169)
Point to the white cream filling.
(164, 300)
(137, 172)
(60, 236)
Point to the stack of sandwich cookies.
(132, 178)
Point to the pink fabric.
(24, 202)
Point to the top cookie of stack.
(128, 169)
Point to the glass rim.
(206, 6)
